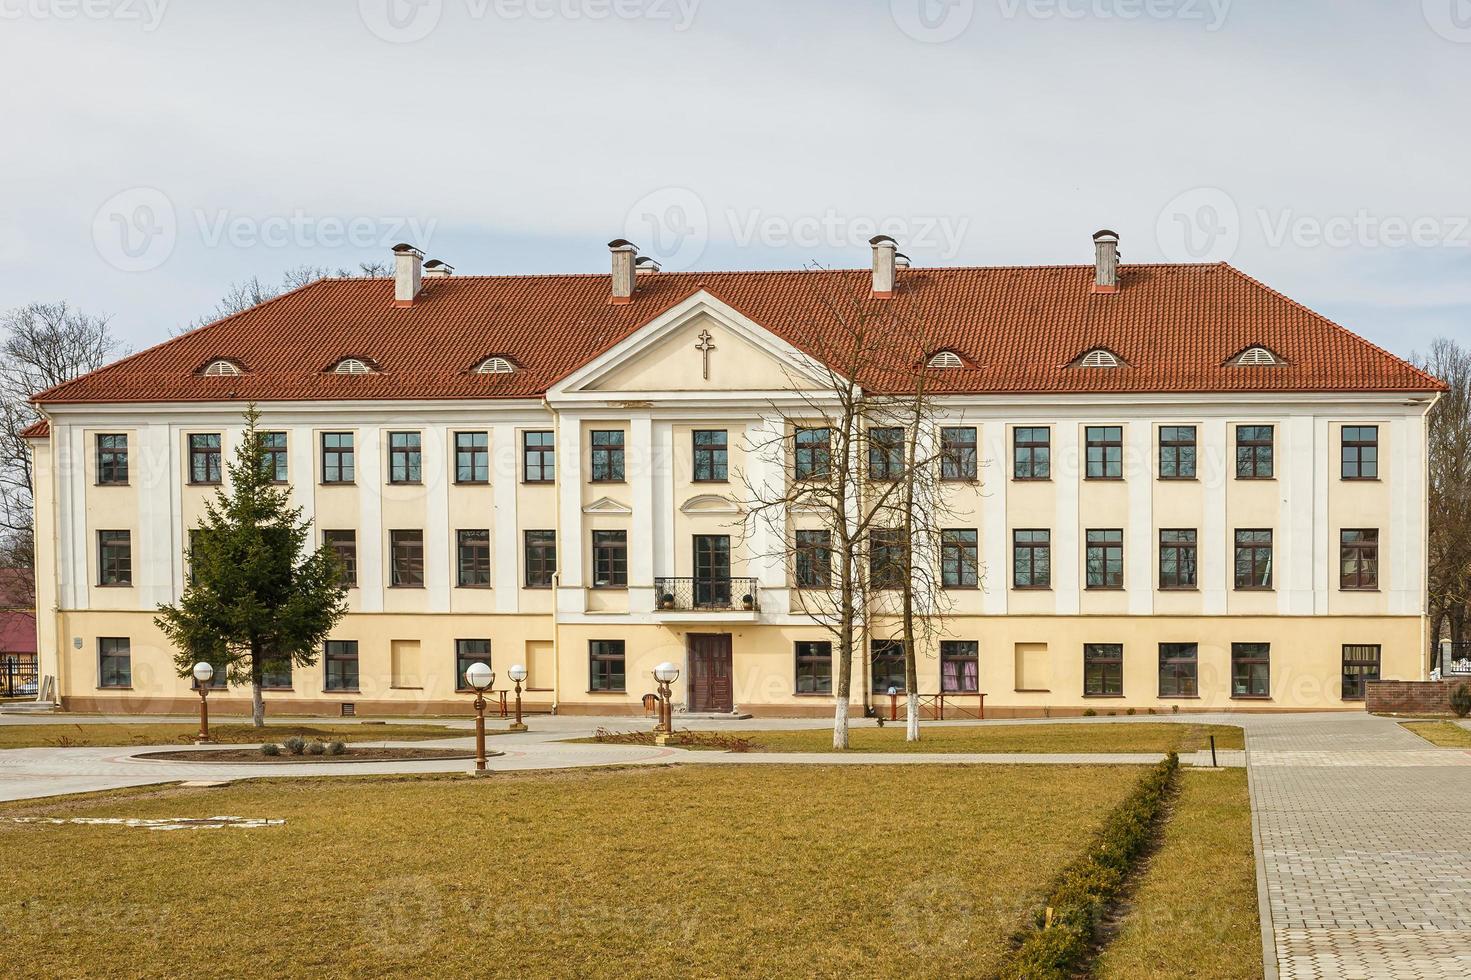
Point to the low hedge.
(1087, 888)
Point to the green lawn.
(28, 736)
(1081, 737)
(1446, 734)
(674, 871)
(1194, 912)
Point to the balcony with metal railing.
(715, 599)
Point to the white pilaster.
(1213, 559)
(995, 468)
(766, 468)
(1067, 471)
(1298, 472)
(439, 544)
(1139, 553)
(639, 466)
(570, 595)
(372, 572)
(159, 563)
(506, 536)
(663, 499)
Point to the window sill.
(538, 483)
(1031, 479)
(1031, 588)
(623, 692)
(472, 483)
(605, 483)
(344, 690)
(278, 690)
(1103, 479)
(338, 483)
(1179, 479)
(960, 588)
(1360, 591)
(1103, 588)
(711, 482)
(812, 694)
(114, 585)
(1179, 588)
(1254, 588)
(405, 483)
(475, 588)
(960, 479)
(111, 483)
(407, 588)
(395, 687)
(1103, 697)
(1251, 697)
(1361, 479)
(1178, 697)
(129, 688)
(1032, 690)
(202, 483)
(1256, 479)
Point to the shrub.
(1174, 709)
(1461, 700)
(296, 745)
(316, 748)
(336, 748)
(1129, 712)
(270, 748)
(1081, 897)
(1089, 713)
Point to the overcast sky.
(157, 150)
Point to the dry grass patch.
(1194, 911)
(1068, 738)
(76, 736)
(699, 870)
(1446, 734)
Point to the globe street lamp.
(481, 678)
(665, 674)
(203, 674)
(517, 673)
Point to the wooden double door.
(711, 684)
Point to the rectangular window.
(1361, 452)
(1360, 665)
(814, 566)
(1178, 553)
(338, 464)
(887, 657)
(468, 653)
(405, 458)
(1178, 670)
(1254, 452)
(1253, 559)
(539, 457)
(340, 663)
(814, 667)
(1105, 452)
(472, 558)
(605, 665)
(610, 559)
(114, 661)
(220, 680)
(960, 559)
(607, 456)
(275, 675)
(960, 667)
(712, 456)
(1031, 559)
(1105, 559)
(112, 460)
(114, 558)
(958, 460)
(406, 555)
(344, 545)
(886, 564)
(1177, 452)
(274, 462)
(1032, 453)
(472, 457)
(541, 559)
(1251, 670)
(204, 458)
(1103, 670)
(1358, 553)
(885, 454)
(813, 457)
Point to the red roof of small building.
(39, 429)
(1018, 330)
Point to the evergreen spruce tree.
(259, 599)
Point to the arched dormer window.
(1098, 358)
(1257, 357)
(221, 367)
(495, 365)
(945, 359)
(353, 365)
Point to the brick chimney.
(1106, 261)
(625, 260)
(438, 269)
(408, 274)
(885, 251)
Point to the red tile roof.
(1019, 329)
(40, 429)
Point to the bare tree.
(1449, 573)
(834, 506)
(41, 345)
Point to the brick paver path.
(1366, 847)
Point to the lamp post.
(517, 673)
(481, 678)
(203, 674)
(664, 675)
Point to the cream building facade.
(1239, 526)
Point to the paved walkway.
(1364, 848)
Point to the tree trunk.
(257, 701)
(1437, 624)
(911, 731)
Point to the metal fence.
(19, 675)
(688, 594)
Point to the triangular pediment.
(607, 505)
(702, 348)
(710, 503)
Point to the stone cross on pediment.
(705, 347)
